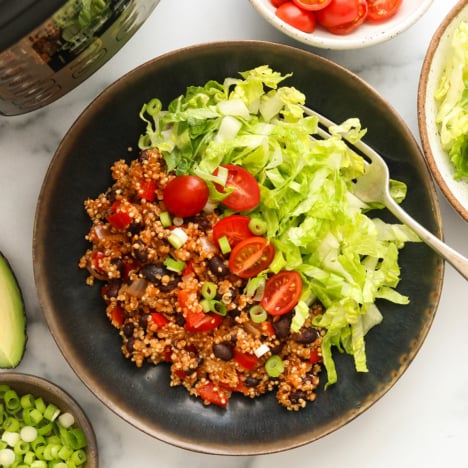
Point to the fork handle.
(458, 261)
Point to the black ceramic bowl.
(75, 312)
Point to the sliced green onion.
(274, 366)
(257, 226)
(66, 420)
(51, 412)
(11, 424)
(7, 457)
(165, 219)
(174, 265)
(258, 314)
(224, 245)
(205, 305)
(209, 290)
(28, 433)
(12, 401)
(40, 404)
(218, 307)
(39, 464)
(38, 434)
(11, 438)
(21, 447)
(27, 401)
(177, 238)
(78, 457)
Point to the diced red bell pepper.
(201, 322)
(315, 356)
(119, 218)
(246, 360)
(117, 315)
(159, 319)
(211, 393)
(148, 190)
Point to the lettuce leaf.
(452, 99)
(346, 259)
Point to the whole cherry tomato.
(185, 195)
(296, 17)
(312, 5)
(342, 16)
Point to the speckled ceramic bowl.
(51, 393)
(364, 36)
(75, 312)
(455, 191)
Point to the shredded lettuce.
(346, 259)
(452, 99)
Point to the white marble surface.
(423, 419)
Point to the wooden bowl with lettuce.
(443, 109)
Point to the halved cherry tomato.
(215, 395)
(147, 190)
(234, 227)
(282, 292)
(296, 17)
(201, 322)
(382, 10)
(251, 256)
(246, 192)
(119, 218)
(246, 360)
(311, 5)
(185, 195)
(342, 16)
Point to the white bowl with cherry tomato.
(341, 24)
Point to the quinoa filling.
(154, 293)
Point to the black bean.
(118, 262)
(143, 320)
(128, 329)
(217, 266)
(297, 395)
(306, 335)
(140, 252)
(179, 319)
(223, 351)
(154, 272)
(130, 344)
(282, 326)
(251, 381)
(167, 287)
(113, 287)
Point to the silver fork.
(373, 186)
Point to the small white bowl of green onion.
(41, 425)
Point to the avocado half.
(13, 334)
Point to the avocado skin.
(12, 317)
